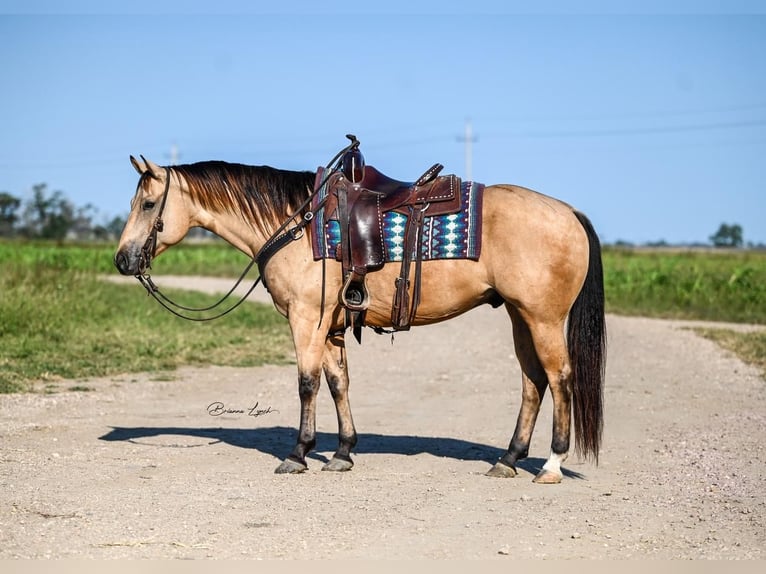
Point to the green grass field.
(59, 321)
(215, 259)
(710, 285)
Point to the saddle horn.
(352, 162)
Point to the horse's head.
(157, 219)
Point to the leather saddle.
(358, 196)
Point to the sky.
(648, 116)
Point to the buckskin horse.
(539, 257)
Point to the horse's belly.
(448, 288)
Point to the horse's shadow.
(278, 441)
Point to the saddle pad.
(455, 236)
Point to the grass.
(703, 285)
(699, 285)
(58, 321)
(749, 347)
(214, 258)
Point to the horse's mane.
(263, 195)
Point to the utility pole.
(468, 138)
(174, 154)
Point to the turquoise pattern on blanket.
(454, 236)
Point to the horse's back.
(534, 255)
(529, 212)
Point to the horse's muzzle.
(125, 264)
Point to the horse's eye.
(148, 205)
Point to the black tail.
(586, 339)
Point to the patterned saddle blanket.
(453, 236)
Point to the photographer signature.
(218, 408)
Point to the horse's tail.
(586, 340)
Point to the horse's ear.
(155, 170)
(139, 167)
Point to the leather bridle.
(279, 239)
(149, 250)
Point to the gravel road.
(139, 468)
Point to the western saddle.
(358, 196)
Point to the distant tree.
(82, 223)
(114, 228)
(8, 217)
(727, 236)
(47, 216)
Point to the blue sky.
(648, 116)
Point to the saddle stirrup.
(354, 295)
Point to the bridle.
(279, 239)
(149, 250)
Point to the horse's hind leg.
(534, 382)
(336, 373)
(553, 355)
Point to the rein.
(279, 239)
(148, 251)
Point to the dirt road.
(139, 468)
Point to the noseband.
(149, 250)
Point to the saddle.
(358, 196)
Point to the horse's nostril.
(121, 262)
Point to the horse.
(540, 259)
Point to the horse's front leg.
(336, 373)
(309, 350)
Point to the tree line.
(50, 215)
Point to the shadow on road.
(279, 441)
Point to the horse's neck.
(233, 229)
(249, 239)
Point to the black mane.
(262, 194)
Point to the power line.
(468, 139)
(630, 131)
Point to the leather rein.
(279, 239)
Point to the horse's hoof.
(548, 477)
(501, 470)
(290, 466)
(338, 465)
